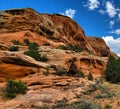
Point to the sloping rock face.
(99, 46)
(55, 28)
(17, 65)
(55, 79)
(46, 90)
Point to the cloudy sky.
(100, 18)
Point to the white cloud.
(111, 23)
(113, 43)
(69, 12)
(117, 31)
(102, 11)
(110, 9)
(93, 4)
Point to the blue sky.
(100, 18)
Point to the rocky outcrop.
(20, 59)
(17, 65)
(47, 90)
(55, 28)
(56, 79)
(99, 46)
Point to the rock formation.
(56, 28)
(49, 31)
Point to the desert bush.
(33, 46)
(112, 72)
(93, 87)
(104, 92)
(75, 48)
(99, 81)
(34, 54)
(13, 48)
(15, 87)
(70, 47)
(107, 106)
(80, 74)
(42, 107)
(16, 42)
(84, 105)
(26, 41)
(63, 47)
(90, 76)
(102, 95)
(61, 104)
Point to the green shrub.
(104, 92)
(16, 42)
(99, 81)
(102, 95)
(80, 74)
(13, 48)
(61, 104)
(42, 107)
(112, 72)
(15, 87)
(90, 76)
(70, 47)
(75, 48)
(63, 47)
(26, 41)
(107, 106)
(84, 105)
(93, 87)
(34, 52)
(33, 46)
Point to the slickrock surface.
(49, 31)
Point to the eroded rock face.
(17, 65)
(56, 28)
(99, 46)
(47, 90)
(61, 82)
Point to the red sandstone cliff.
(49, 31)
(45, 28)
(55, 30)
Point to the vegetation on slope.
(112, 72)
(34, 52)
(15, 87)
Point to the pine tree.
(112, 72)
(90, 76)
